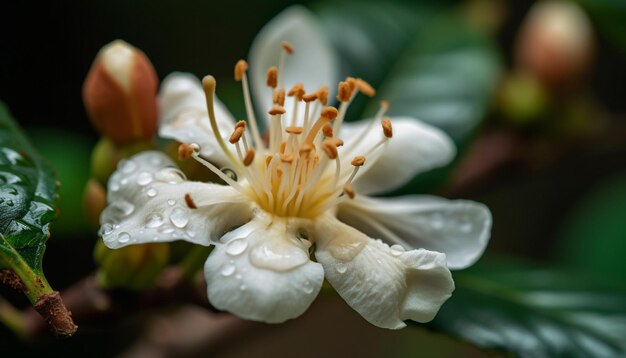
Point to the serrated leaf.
(27, 193)
(535, 312)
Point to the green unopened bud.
(106, 155)
(555, 42)
(134, 267)
(120, 93)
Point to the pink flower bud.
(120, 94)
(555, 42)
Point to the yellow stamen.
(358, 161)
(387, 129)
(189, 201)
(240, 68)
(287, 47)
(247, 160)
(349, 191)
(272, 77)
(185, 151)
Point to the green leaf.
(593, 237)
(535, 312)
(27, 194)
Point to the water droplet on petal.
(144, 178)
(308, 288)
(128, 166)
(436, 221)
(123, 237)
(171, 202)
(242, 287)
(151, 192)
(114, 186)
(166, 229)
(170, 175)
(466, 227)
(190, 233)
(124, 181)
(154, 220)
(106, 229)
(125, 207)
(179, 217)
(155, 160)
(238, 276)
(228, 270)
(397, 250)
(341, 267)
(278, 255)
(236, 247)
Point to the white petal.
(313, 62)
(414, 148)
(184, 117)
(262, 272)
(458, 228)
(146, 196)
(386, 286)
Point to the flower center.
(298, 171)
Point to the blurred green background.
(549, 161)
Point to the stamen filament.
(208, 83)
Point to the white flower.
(300, 196)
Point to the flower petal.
(146, 196)
(313, 62)
(262, 272)
(414, 148)
(458, 228)
(385, 285)
(184, 117)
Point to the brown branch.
(91, 303)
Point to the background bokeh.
(549, 162)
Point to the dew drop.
(166, 229)
(125, 207)
(115, 186)
(124, 181)
(128, 166)
(154, 220)
(243, 287)
(466, 227)
(308, 288)
(228, 270)
(155, 160)
(171, 202)
(144, 178)
(396, 250)
(123, 237)
(106, 229)
(238, 276)
(151, 192)
(190, 233)
(341, 267)
(436, 221)
(179, 217)
(236, 247)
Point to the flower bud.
(106, 155)
(120, 94)
(134, 267)
(555, 42)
